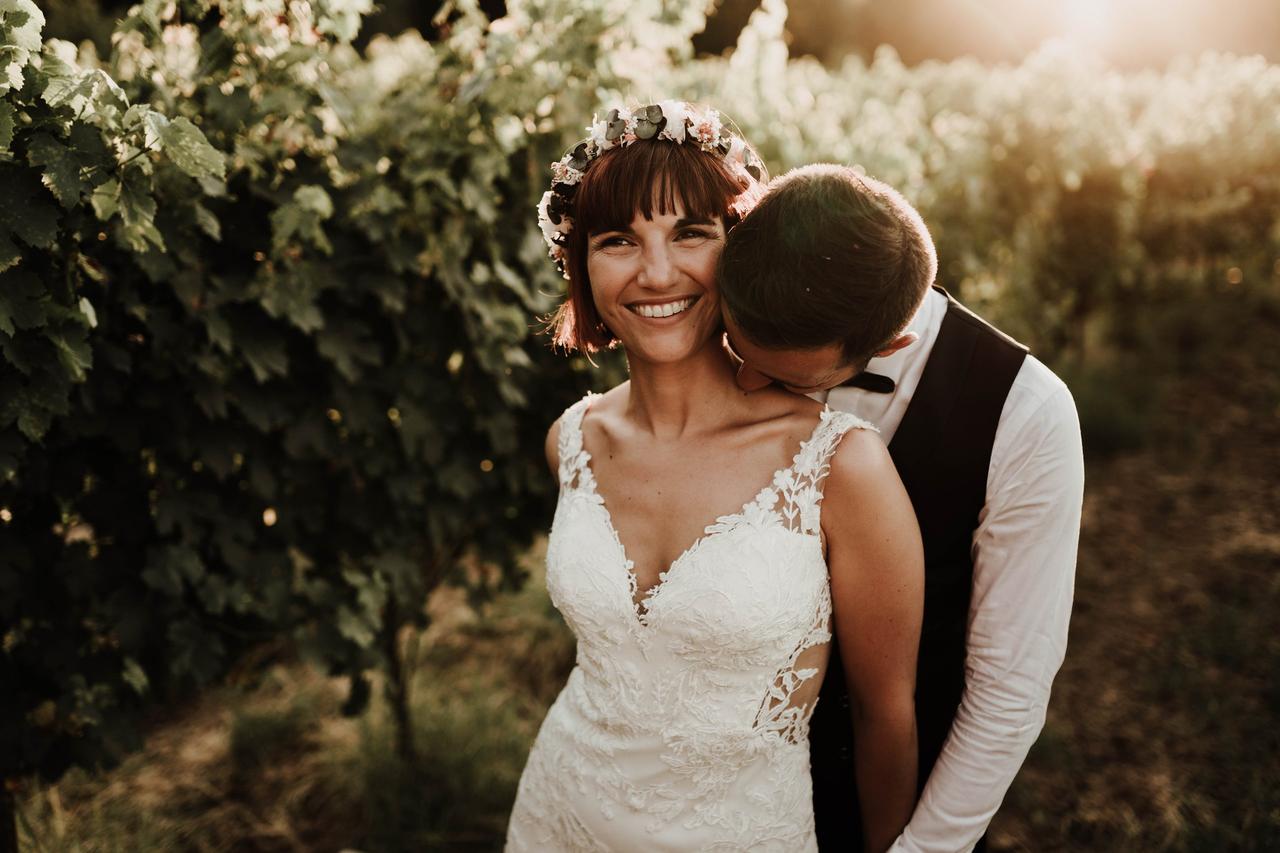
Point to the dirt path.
(1162, 730)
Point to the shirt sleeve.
(1023, 581)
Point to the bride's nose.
(658, 268)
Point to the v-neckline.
(646, 598)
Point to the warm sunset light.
(1124, 33)
(459, 286)
(1087, 21)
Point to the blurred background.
(273, 387)
(1128, 34)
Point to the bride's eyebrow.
(693, 220)
(609, 229)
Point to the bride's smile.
(653, 283)
(662, 310)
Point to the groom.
(987, 443)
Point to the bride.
(707, 542)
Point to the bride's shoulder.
(572, 417)
(861, 471)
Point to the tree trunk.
(8, 820)
(397, 690)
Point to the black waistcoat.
(942, 450)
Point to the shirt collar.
(925, 323)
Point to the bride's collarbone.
(661, 495)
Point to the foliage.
(267, 305)
(1065, 197)
(268, 362)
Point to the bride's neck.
(671, 400)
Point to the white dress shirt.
(1024, 559)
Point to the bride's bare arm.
(552, 448)
(876, 564)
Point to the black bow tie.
(872, 382)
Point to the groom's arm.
(1023, 580)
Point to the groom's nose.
(749, 379)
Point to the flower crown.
(674, 121)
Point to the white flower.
(737, 151)
(597, 129)
(628, 126)
(807, 499)
(550, 230)
(706, 128)
(675, 112)
(563, 173)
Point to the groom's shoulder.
(963, 313)
(1039, 410)
(1038, 401)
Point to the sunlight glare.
(1087, 21)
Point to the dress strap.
(573, 458)
(813, 463)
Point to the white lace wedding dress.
(684, 724)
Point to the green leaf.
(83, 91)
(354, 627)
(341, 18)
(26, 208)
(187, 148)
(23, 301)
(69, 86)
(208, 222)
(61, 167)
(106, 199)
(23, 23)
(194, 651)
(90, 316)
(301, 217)
(7, 116)
(348, 345)
(293, 298)
(34, 423)
(266, 356)
(10, 254)
(134, 676)
(138, 211)
(314, 199)
(73, 351)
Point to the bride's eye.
(694, 234)
(609, 242)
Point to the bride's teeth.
(665, 310)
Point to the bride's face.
(653, 283)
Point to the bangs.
(653, 177)
(648, 178)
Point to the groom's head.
(821, 276)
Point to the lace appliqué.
(688, 712)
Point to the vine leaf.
(7, 115)
(187, 148)
(23, 23)
(61, 167)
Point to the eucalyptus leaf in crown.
(672, 121)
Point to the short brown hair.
(828, 256)
(646, 177)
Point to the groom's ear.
(906, 339)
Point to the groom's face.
(799, 371)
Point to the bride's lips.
(666, 310)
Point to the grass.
(1162, 729)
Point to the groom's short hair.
(828, 256)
